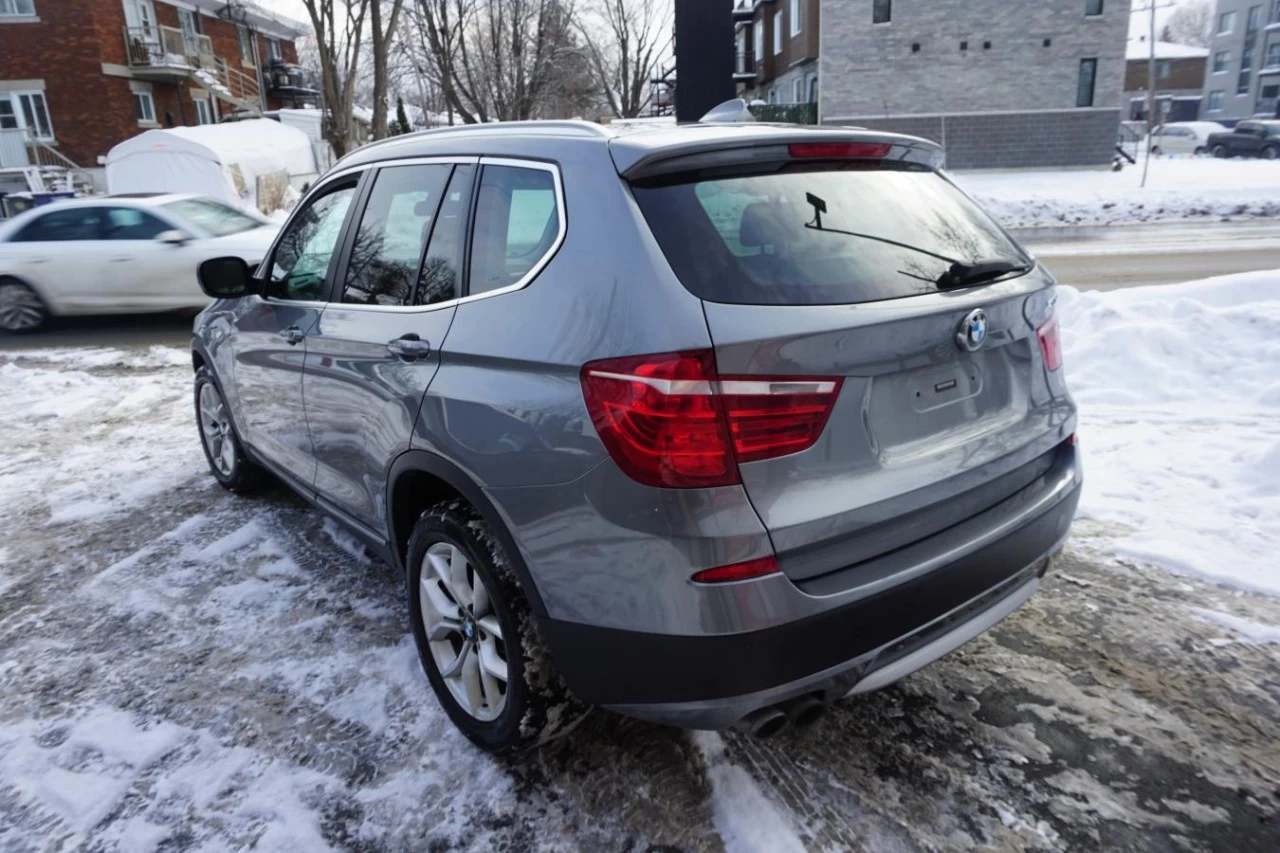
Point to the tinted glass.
(1085, 84)
(393, 231)
(516, 224)
(82, 223)
(301, 260)
(125, 223)
(886, 232)
(215, 218)
(440, 269)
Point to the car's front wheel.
(1271, 152)
(476, 636)
(1220, 151)
(222, 447)
(21, 308)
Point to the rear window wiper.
(970, 273)
(820, 207)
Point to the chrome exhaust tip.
(764, 723)
(804, 711)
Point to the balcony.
(744, 69)
(744, 11)
(289, 82)
(165, 53)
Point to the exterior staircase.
(45, 168)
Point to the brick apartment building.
(80, 76)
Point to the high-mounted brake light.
(1051, 342)
(839, 150)
(669, 420)
(738, 571)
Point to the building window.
(881, 11)
(29, 110)
(1273, 56)
(144, 108)
(1226, 23)
(1092, 8)
(1275, 13)
(246, 46)
(1221, 60)
(797, 91)
(777, 33)
(1215, 101)
(1245, 80)
(1085, 85)
(1254, 19)
(964, 45)
(274, 50)
(758, 27)
(811, 96)
(1162, 69)
(797, 20)
(17, 8)
(204, 111)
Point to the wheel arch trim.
(425, 462)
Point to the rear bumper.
(713, 681)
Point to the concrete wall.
(1020, 65)
(1235, 104)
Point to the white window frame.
(1227, 19)
(1209, 101)
(777, 32)
(17, 9)
(275, 49)
(244, 37)
(797, 17)
(797, 90)
(15, 100)
(149, 102)
(810, 89)
(206, 113)
(758, 35)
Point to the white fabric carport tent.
(199, 159)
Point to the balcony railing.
(167, 48)
(21, 149)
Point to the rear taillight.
(668, 420)
(1050, 343)
(738, 571)
(839, 150)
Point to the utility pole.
(1151, 84)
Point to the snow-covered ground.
(184, 668)
(1178, 188)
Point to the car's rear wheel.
(476, 636)
(1155, 149)
(1199, 150)
(1220, 151)
(222, 447)
(21, 308)
(1271, 152)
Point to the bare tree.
(383, 32)
(496, 59)
(626, 40)
(1191, 23)
(339, 32)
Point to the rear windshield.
(817, 234)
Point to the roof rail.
(501, 128)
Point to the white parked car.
(118, 254)
(1182, 137)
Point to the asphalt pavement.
(1090, 258)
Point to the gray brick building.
(1000, 83)
(1244, 61)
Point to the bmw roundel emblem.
(972, 333)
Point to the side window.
(125, 223)
(301, 260)
(73, 224)
(440, 268)
(393, 231)
(517, 222)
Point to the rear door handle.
(292, 334)
(34, 261)
(121, 260)
(409, 347)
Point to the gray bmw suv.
(707, 425)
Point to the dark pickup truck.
(1248, 139)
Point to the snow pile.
(1179, 395)
(1177, 188)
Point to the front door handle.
(121, 259)
(409, 347)
(292, 334)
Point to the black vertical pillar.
(704, 56)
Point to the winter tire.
(1271, 152)
(1220, 151)
(21, 309)
(223, 449)
(477, 638)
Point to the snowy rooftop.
(1140, 49)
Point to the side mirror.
(225, 278)
(173, 237)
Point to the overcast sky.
(292, 8)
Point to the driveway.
(180, 667)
